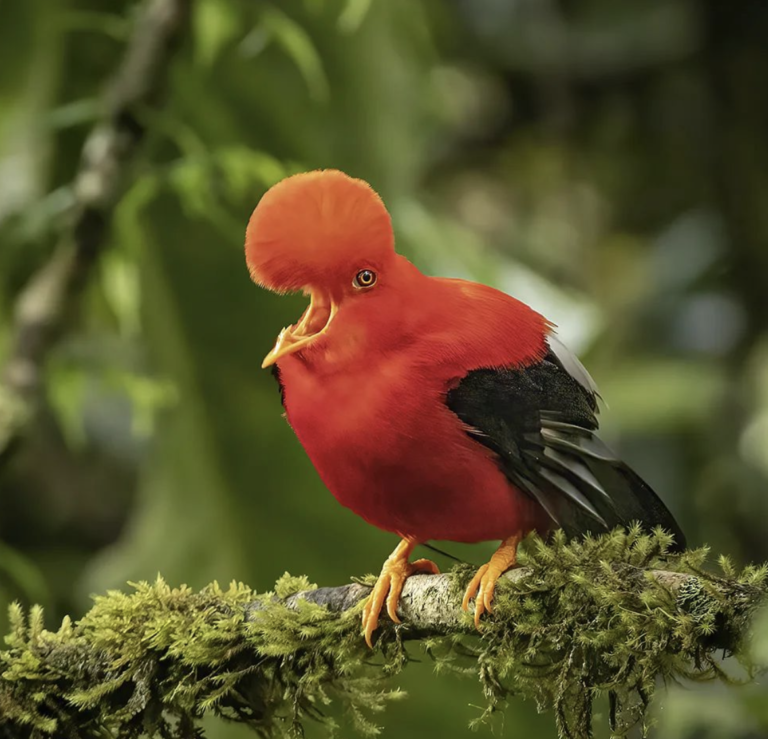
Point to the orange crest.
(314, 228)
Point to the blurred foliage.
(607, 163)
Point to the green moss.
(156, 660)
(592, 619)
(588, 620)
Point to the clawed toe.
(483, 584)
(481, 588)
(388, 588)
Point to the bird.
(434, 408)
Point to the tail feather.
(635, 500)
(615, 494)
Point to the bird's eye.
(364, 278)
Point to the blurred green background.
(605, 162)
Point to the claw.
(396, 570)
(483, 584)
(477, 589)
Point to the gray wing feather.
(571, 364)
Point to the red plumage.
(433, 408)
(375, 423)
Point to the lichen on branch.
(603, 616)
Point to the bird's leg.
(388, 587)
(484, 582)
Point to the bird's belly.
(454, 499)
(408, 468)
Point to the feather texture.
(541, 421)
(434, 408)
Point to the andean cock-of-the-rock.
(437, 409)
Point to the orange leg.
(388, 587)
(484, 582)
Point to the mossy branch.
(603, 616)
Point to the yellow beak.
(312, 324)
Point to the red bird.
(434, 408)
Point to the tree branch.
(604, 616)
(430, 605)
(53, 293)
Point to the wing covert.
(541, 421)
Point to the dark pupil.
(366, 277)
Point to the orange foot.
(390, 584)
(484, 582)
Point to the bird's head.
(330, 236)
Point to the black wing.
(541, 422)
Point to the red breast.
(380, 434)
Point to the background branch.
(53, 293)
